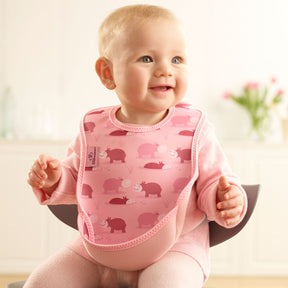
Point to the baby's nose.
(163, 70)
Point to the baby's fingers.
(232, 221)
(231, 213)
(34, 180)
(37, 175)
(43, 161)
(231, 216)
(228, 204)
(38, 170)
(233, 193)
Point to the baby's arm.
(45, 174)
(230, 201)
(53, 182)
(212, 164)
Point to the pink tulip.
(280, 92)
(252, 86)
(227, 95)
(273, 79)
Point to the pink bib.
(134, 184)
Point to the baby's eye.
(146, 59)
(176, 60)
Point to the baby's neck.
(146, 119)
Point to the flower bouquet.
(258, 101)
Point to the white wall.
(1, 45)
(50, 49)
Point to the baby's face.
(150, 66)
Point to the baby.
(145, 174)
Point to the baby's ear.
(103, 68)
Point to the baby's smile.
(161, 88)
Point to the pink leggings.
(68, 269)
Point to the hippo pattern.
(147, 150)
(87, 191)
(112, 185)
(148, 219)
(119, 201)
(116, 224)
(116, 155)
(133, 179)
(151, 189)
(153, 165)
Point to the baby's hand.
(230, 201)
(45, 174)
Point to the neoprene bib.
(134, 184)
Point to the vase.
(259, 129)
(285, 130)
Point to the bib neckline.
(135, 127)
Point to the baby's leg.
(173, 270)
(68, 269)
(65, 269)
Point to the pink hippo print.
(151, 189)
(147, 150)
(112, 185)
(184, 154)
(116, 155)
(116, 224)
(87, 190)
(148, 219)
(119, 201)
(187, 132)
(153, 165)
(89, 127)
(119, 133)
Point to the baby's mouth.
(161, 88)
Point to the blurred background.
(48, 50)
(237, 49)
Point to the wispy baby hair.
(125, 16)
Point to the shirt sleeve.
(212, 163)
(65, 193)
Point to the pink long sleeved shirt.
(143, 190)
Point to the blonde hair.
(125, 16)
